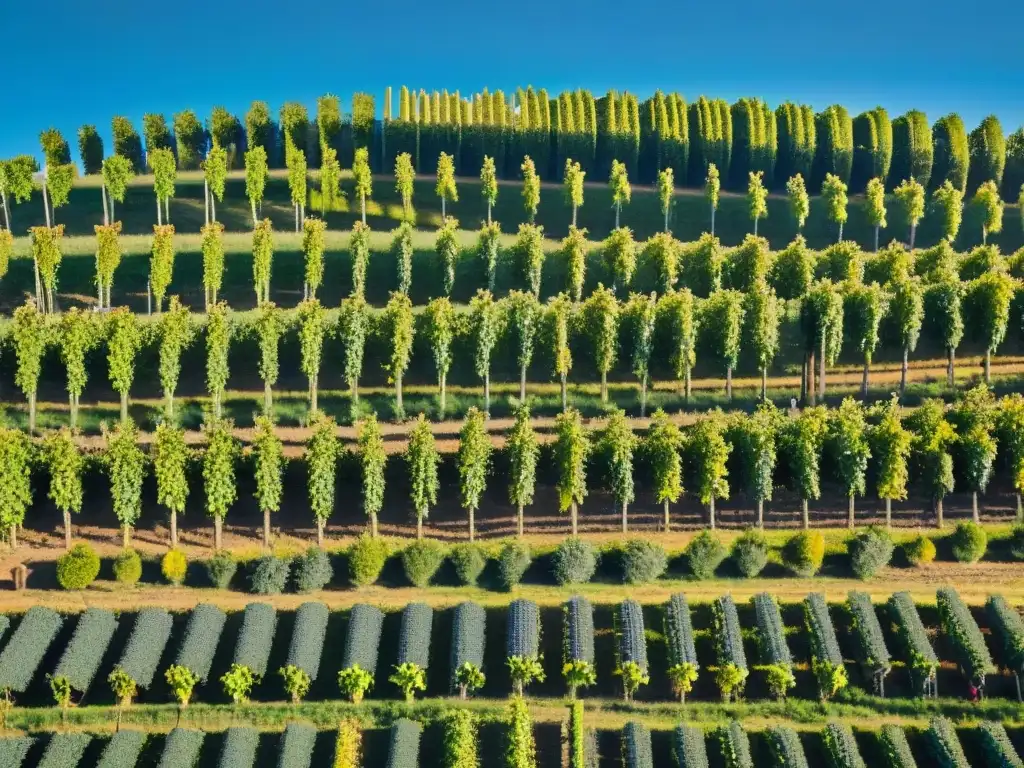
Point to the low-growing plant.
(174, 566)
(269, 575)
(128, 567)
(469, 678)
(750, 552)
(633, 676)
(295, 681)
(704, 554)
(513, 562)
(804, 553)
(643, 561)
(574, 561)
(182, 681)
(78, 567)
(919, 551)
(409, 677)
(366, 560)
(238, 682)
(312, 571)
(969, 542)
(221, 569)
(354, 682)
(421, 561)
(60, 687)
(524, 670)
(870, 550)
(469, 561)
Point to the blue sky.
(70, 62)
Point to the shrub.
(313, 570)
(469, 561)
(513, 561)
(750, 552)
(297, 745)
(804, 553)
(1017, 542)
(643, 561)
(146, 644)
(78, 567)
(308, 635)
(269, 575)
(574, 562)
(421, 560)
(467, 649)
(255, 638)
(964, 636)
(202, 635)
(919, 551)
(704, 554)
(128, 567)
(239, 748)
(366, 560)
(870, 550)
(83, 654)
(220, 569)
(363, 637)
(969, 542)
(174, 566)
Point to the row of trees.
(661, 132)
(862, 451)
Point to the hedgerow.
(141, 656)
(5, 624)
(460, 740)
(578, 644)
(771, 639)
(895, 747)
(27, 647)
(523, 635)
(362, 637)
(997, 747)
(307, 642)
(181, 749)
(944, 745)
(64, 750)
(630, 647)
(841, 747)
(826, 657)
(682, 653)
(869, 641)
(202, 633)
(786, 747)
(123, 749)
(82, 656)
(348, 745)
(414, 637)
(404, 749)
(1008, 630)
(732, 660)
(468, 633)
(912, 635)
(521, 751)
(688, 747)
(735, 746)
(256, 637)
(297, 746)
(636, 746)
(14, 750)
(964, 636)
(239, 747)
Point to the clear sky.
(69, 62)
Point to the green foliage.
(78, 568)
(951, 152)
(189, 139)
(354, 681)
(238, 682)
(373, 462)
(704, 554)
(944, 745)
(531, 187)
(127, 468)
(572, 449)
(969, 542)
(469, 561)
(804, 553)
(793, 270)
(722, 317)
(964, 636)
(165, 172)
(749, 552)
(708, 452)
(330, 180)
(322, 451)
(256, 173)
(460, 740)
(662, 444)
(574, 561)
(312, 571)
(513, 561)
(841, 746)
(141, 655)
(421, 561)
(870, 551)
(65, 462)
(947, 202)
(219, 468)
(295, 682)
(170, 465)
(643, 561)
(128, 567)
(919, 551)
(220, 569)
(269, 575)
(366, 560)
(182, 681)
(422, 459)
(268, 460)
(295, 159)
(404, 177)
(912, 636)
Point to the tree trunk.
(253, 204)
(573, 513)
(803, 381)
(850, 513)
(712, 221)
(441, 393)
(106, 214)
(519, 521)
(363, 205)
(805, 513)
(419, 526)
(67, 530)
(764, 382)
(625, 517)
(113, 211)
(812, 392)
(666, 219)
(574, 215)
(755, 226)
(373, 525)
(266, 529)
(296, 218)
(218, 528)
(472, 524)
(487, 394)
(687, 382)
(988, 366)
(32, 413)
(728, 383)
(126, 536)
(840, 231)
(167, 210)
(40, 300)
(149, 298)
(99, 291)
(821, 371)
(618, 209)
(888, 513)
(913, 232)
(760, 513)
(865, 380)
(667, 520)
(903, 372)
(124, 406)
(46, 204)
(206, 201)
(643, 396)
(565, 394)
(268, 398)
(876, 238)
(399, 409)
(984, 235)
(73, 402)
(939, 521)
(14, 537)
(320, 533)
(975, 516)
(7, 211)
(314, 387)
(174, 529)
(604, 387)
(950, 371)
(443, 214)
(522, 384)
(711, 513)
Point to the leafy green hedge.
(27, 647)
(14, 750)
(1008, 629)
(404, 749)
(202, 634)
(362, 638)
(297, 746)
(307, 642)
(913, 637)
(841, 746)
(414, 636)
(239, 748)
(826, 656)
(123, 749)
(523, 630)
(64, 750)
(578, 630)
(689, 748)
(895, 747)
(636, 746)
(869, 641)
(256, 637)
(468, 634)
(81, 659)
(944, 744)
(735, 746)
(964, 636)
(181, 750)
(997, 747)
(141, 656)
(786, 747)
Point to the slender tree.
(218, 344)
(641, 315)
(618, 443)
(662, 252)
(890, 444)
(445, 187)
(679, 321)
(488, 185)
(372, 462)
(850, 450)
(910, 197)
(574, 248)
(124, 340)
(353, 328)
(864, 309)
(126, 467)
(559, 312)
(666, 192)
(474, 462)
(15, 481)
(440, 320)
(16, 181)
(57, 183)
(712, 187)
(802, 440)
(874, 206)
(77, 334)
(359, 249)
(269, 327)
(573, 184)
(213, 261)
(117, 174)
(948, 204)
(422, 458)
(165, 172)
(756, 444)
(833, 192)
(47, 256)
(489, 247)
(932, 462)
(989, 299)
(161, 263)
(821, 317)
(620, 189)
(945, 319)
(600, 314)
(486, 321)
(176, 332)
(448, 250)
(399, 329)
(404, 178)
(313, 246)
(974, 417)
(65, 463)
(572, 450)
(262, 259)
(986, 199)
(30, 334)
(799, 202)
(362, 177)
(619, 255)
(907, 312)
(90, 149)
(312, 328)
(757, 198)
(268, 470)
(330, 181)
(402, 248)
(709, 451)
(1010, 435)
(662, 445)
(219, 474)
(531, 188)
(722, 317)
(529, 251)
(256, 173)
(322, 451)
(523, 451)
(215, 170)
(296, 163)
(170, 466)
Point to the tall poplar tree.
(404, 178)
(218, 345)
(523, 451)
(268, 471)
(799, 202)
(313, 246)
(712, 189)
(65, 462)
(601, 319)
(170, 466)
(709, 451)
(124, 340)
(474, 462)
(363, 178)
(572, 450)
(848, 441)
(126, 468)
(16, 457)
(262, 259)
(77, 334)
(373, 462)
(890, 446)
(399, 329)
(219, 474)
(573, 185)
(176, 332)
(531, 188)
(445, 187)
(322, 451)
(31, 337)
(679, 321)
(256, 173)
(619, 444)
(488, 184)
(440, 320)
(641, 315)
(524, 315)
(662, 445)
(874, 206)
(864, 309)
(353, 328)
(757, 198)
(212, 247)
(422, 458)
(312, 329)
(910, 197)
(559, 312)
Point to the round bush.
(78, 567)
(804, 553)
(643, 561)
(220, 569)
(128, 567)
(969, 542)
(421, 560)
(269, 575)
(750, 552)
(704, 554)
(574, 562)
(469, 561)
(1017, 542)
(513, 562)
(313, 571)
(870, 551)
(919, 551)
(366, 560)
(174, 566)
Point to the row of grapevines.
(637, 751)
(468, 632)
(27, 646)
(735, 746)
(252, 649)
(964, 635)
(181, 748)
(786, 747)
(141, 656)
(123, 749)
(826, 657)
(523, 630)
(997, 748)
(14, 750)
(414, 636)
(308, 638)
(872, 652)
(920, 656)
(581, 742)
(688, 747)
(895, 747)
(404, 750)
(944, 745)
(82, 656)
(841, 746)
(64, 750)
(732, 659)
(239, 748)
(363, 637)
(297, 746)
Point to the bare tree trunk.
(574, 514)
(667, 520)
(939, 521)
(314, 386)
(320, 533)
(159, 212)
(812, 393)
(913, 232)
(32, 413)
(903, 372)
(519, 521)
(441, 392)
(950, 371)
(805, 513)
(46, 204)
(253, 204)
(443, 214)
(975, 516)
(821, 374)
(711, 513)
(876, 238)
(213, 207)
(124, 406)
(149, 298)
(398, 396)
(988, 366)
(472, 524)
(618, 209)
(865, 380)
(126, 536)
(268, 398)
(625, 517)
(218, 527)
(666, 219)
(373, 524)
(6, 209)
(206, 201)
(850, 514)
(522, 384)
(712, 221)
(487, 394)
(574, 215)
(296, 218)
(760, 513)
(687, 382)
(728, 382)
(167, 210)
(363, 203)
(103, 194)
(888, 513)
(565, 394)
(764, 383)
(14, 537)
(174, 529)
(643, 396)
(67, 530)
(604, 387)
(419, 526)
(840, 231)
(755, 226)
